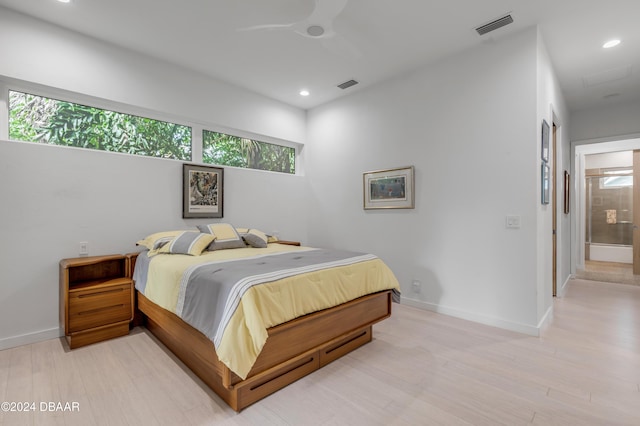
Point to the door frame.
(578, 215)
(636, 213)
(554, 208)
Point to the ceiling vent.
(498, 23)
(347, 84)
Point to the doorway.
(604, 247)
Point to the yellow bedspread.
(268, 304)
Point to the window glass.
(616, 182)
(228, 150)
(617, 178)
(38, 119)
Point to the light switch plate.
(513, 222)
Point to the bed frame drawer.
(97, 307)
(268, 382)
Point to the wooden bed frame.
(293, 349)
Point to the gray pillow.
(226, 236)
(255, 238)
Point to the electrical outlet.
(84, 248)
(416, 286)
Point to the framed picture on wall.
(545, 173)
(202, 191)
(545, 141)
(389, 189)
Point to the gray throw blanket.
(211, 292)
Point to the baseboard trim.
(547, 318)
(27, 339)
(470, 316)
(563, 288)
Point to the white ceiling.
(376, 40)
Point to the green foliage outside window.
(39, 119)
(228, 150)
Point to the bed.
(263, 344)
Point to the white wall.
(615, 121)
(609, 160)
(55, 197)
(470, 126)
(552, 108)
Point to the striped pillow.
(255, 238)
(226, 236)
(270, 238)
(154, 241)
(189, 242)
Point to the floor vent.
(498, 23)
(347, 84)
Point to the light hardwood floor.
(422, 368)
(609, 272)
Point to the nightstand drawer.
(99, 306)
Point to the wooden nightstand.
(96, 299)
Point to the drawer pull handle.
(300, 364)
(100, 293)
(94, 311)
(364, 333)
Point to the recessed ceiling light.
(304, 93)
(64, 1)
(611, 43)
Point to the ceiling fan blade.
(320, 20)
(326, 11)
(267, 27)
(341, 46)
